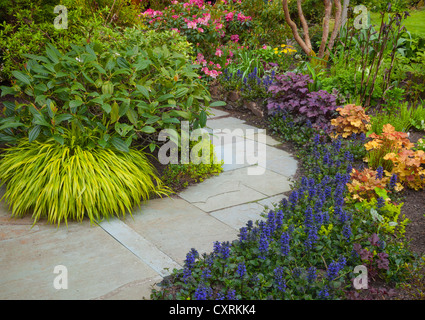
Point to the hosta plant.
(351, 119)
(73, 181)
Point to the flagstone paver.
(125, 258)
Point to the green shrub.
(125, 94)
(177, 176)
(28, 33)
(73, 181)
(400, 118)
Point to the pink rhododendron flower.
(218, 26)
(200, 30)
(191, 25)
(218, 52)
(234, 37)
(229, 16)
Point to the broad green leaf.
(148, 129)
(181, 92)
(189, 102)
(107, 107)
(165, 97)
(203, 118)
(114, 112)
(122, 128)
(75, 103)
(39, 58)
(21, 77)
(52, 55)
(179, 113)
(142, 65)
(122, 63)
(119, 144)
(63, 117)
(218, 104)
(143, 90)
(7, 90)
(58, 139)
(152, 119)
(132, 116)
(11, 125)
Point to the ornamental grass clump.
(62, 183)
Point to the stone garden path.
(124, 258)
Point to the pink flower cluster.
(240, 17)
(209, 68)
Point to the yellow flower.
(283, 45)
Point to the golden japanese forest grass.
(62, 183)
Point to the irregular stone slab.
(231, 125)
(235, 187)
(269, 140)
(239, 215)
(285, 165)
(135, 290)
(217, 113)
(175, 226)
(270, 202)
(138, 245)
(96, 263)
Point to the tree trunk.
(344, 12)
(325, 32)
(305, 45)
(337, 26)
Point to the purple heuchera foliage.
(290, 92)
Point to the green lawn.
(415, 24)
